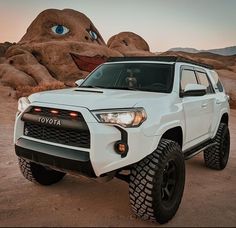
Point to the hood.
(93, 99)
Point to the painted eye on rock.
(60, 29)
(93, 35)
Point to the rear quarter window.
(217, 82)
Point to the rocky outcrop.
(3, 48)
(50, 53)
(43, 55)
(129, 44)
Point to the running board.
(198, 149)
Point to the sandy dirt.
(209, 197)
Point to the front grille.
(58, 134)
(62, 114)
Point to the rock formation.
(43, 53)
(4, 47)
(129, 44)
(61, 46)
(48, 52)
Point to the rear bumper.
(54, 156)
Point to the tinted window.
(203, 80)
(153, 77)
(217, 81)
(188, 77)
(220, 86)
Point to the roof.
(159, 59)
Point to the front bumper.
(54, 156)
(101, 155)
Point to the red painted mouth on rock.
(88, 63)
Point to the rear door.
(198, 110)
(208, 101)
(193, 110)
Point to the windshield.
(152, 77)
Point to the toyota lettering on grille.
(50, 121)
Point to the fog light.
(121, 148)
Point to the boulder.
(129, 44)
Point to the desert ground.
(209, 197)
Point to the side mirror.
(228, 97)
(194, 90)
(79, 82)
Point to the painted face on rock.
(66, 25)
(47, 51)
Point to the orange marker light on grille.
(37, 109)
(54, 111)
(73, 114)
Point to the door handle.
(204, 105)
(218, 102)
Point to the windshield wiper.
(152, 90)
(122, 88)
(112, 87)
(90, 86)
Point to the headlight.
(124, 117)
(23, 104)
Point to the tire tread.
(143, 203)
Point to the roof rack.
(159, 59)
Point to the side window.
(217, 81)
(187, 77)
(220, 86)
(203, 80)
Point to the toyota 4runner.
(134, 118)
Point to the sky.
(164, 24)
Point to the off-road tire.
(216, 157)
(148, 179)
(38, 173)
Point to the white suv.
(134, 118)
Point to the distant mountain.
(188, 50)
(221, 51)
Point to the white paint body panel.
(198, 117)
